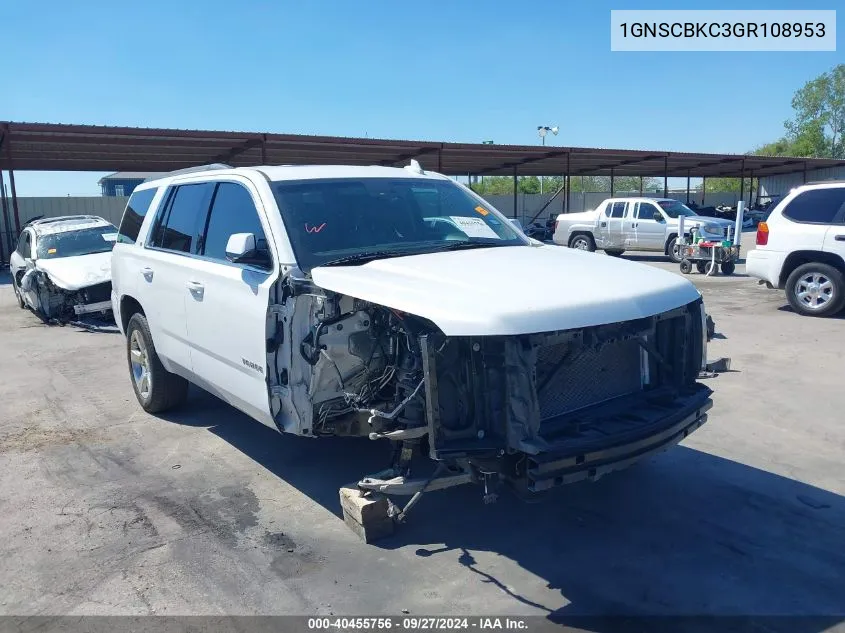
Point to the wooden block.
(366, 516)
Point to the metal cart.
(709, 257)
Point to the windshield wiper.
(367, 256)
(454, 246)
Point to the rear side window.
(618, 210)
(232, 211)
(133, 216)
(818, 206)
(179, 224)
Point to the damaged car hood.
(512, 290)
(73, 273)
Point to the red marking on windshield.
(314, 229)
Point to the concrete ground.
(107, 510)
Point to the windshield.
(71, 243)
(673, 208)
(336, 219)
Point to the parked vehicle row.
(635, 224)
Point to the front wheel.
(728, 267)
(816, 289)
(18, 295)
(582, 243)
(155, 388)
(686, 266)
(673, 250)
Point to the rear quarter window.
(818, 206)
(134, 214)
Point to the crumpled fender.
(28, 280)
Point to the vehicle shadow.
(5, 277)
(684, 533)
(788, 308)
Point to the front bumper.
(88, 308)
(564, 466)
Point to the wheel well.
(795, 259)
(577, 233)
(669, 239)
(128, 307)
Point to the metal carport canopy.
(48, 146)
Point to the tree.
(818, 127)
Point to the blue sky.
(433, 70)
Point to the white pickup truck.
(635, 224)
(394, 304)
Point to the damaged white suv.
(61, 267)
(397, 305)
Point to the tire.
(701, 267)
(614, 252)
(728, 268)
(686, 266)
(673, 250)
(156, 389)
(583, 242)
(710, 266)
(822, 287)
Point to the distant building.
(123, 183)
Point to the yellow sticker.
(50, 251)
(482, 210)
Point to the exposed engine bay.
(54, 303)
(531, 411)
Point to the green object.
(727, 243)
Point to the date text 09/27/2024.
(416, 623)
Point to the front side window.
(133, 215)
(99, 239)
(178, 226)
(233, 211)
(25, 245)
(817, 206)
(645, 211)
(674, 209)
(332, 219)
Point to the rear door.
(227, 304)
(834, 239)
(615, 234)
(650, 234)
(165, 271)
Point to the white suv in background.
(801, 249)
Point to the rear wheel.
(728, 268)
(816, 289)
(583, 243)
(614, 252)
(686, 266)
(155, 388)
(673, 250)
(700, 267)
(711, 268)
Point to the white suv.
(394, 304)
(801, 249)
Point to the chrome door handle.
(148, 273)
(604, 224)
(840, 238)
(196, 288)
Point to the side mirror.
(658, 217)
(243, 248)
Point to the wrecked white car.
(61, 267)
(396, 305)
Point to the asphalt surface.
(107, 510)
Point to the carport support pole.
(665, 176)
(611, 182)
(568, 180)
(641, 186)
(703, 189)
(6, 233)
(742, 181)
(688, 174)
(750, 187)
(15, 202)
(514, 191)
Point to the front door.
(227, 304)
(650, 233)
(614, 216)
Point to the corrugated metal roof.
(46, 146)
(130, 175)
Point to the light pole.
(542, 130)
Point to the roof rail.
(62, 218)
(832, 181)
(191, 170)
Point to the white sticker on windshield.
(109, 237)
(474, 227)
